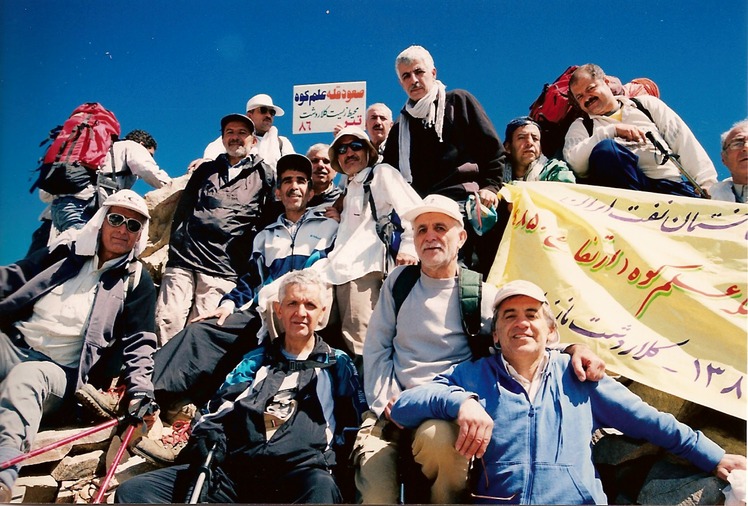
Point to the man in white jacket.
(611, 147)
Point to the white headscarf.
(87, 238)
(429, 109)
(268, 146)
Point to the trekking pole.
(202, 475)
(675, 158)
(62, 442)
(117, 458)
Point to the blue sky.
(174, 68)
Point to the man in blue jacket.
(273, 423)
(72, 316)
(528, 420)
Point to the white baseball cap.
(435, 203)
(128, 199)
(263, 100)
(519, 287)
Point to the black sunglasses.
(117, 220)
(265, 110)
(355, 146)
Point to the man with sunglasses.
(75, 316)
(225, 203)
(359, 260)
(612, 145)
(270, 145)
(735, 158)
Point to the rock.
(161, 205)
(65, 496)
(134, 466)
(38, 489)
(674, 483)
(71, 468)
(684, 411)
(92, 441)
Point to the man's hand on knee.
(476, 427)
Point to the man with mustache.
(735, 158)
(445, 143)
(525, 160)
(74, 316)
(325, 190)
(357, 264)
(270, 145)
(378, 124)
(610, 146)
(225, 203)
(192, 365)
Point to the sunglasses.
(265, 110)
(117, 220)
(321, 160)
(355, 146)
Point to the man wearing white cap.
(270, 146)
(409, 346)
(66, 315)
(528, 419)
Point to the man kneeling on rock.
(273, 423)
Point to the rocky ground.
(633, 472)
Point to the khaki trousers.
(375, 455)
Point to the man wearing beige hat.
(75, 315)
(411, 340)
(357, 264)
(270, 145)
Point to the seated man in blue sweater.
(510, 408)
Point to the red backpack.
(78, 150)
(554, 113)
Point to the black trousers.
(303, 485)
(191, 367)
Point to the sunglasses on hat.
(355, 146)
(117, 220)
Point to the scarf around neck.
(430, 110)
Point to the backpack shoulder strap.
(643, 109)
(587, 122)
(134, 272)
(404, 284)
(368, 198)
(471, 290)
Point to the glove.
(140, 405)
(203, 442)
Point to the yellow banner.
(655, 284)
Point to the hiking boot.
(6, 494)
(185, 413)
(103, 405)
(164, 451)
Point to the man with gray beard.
(225, 203)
